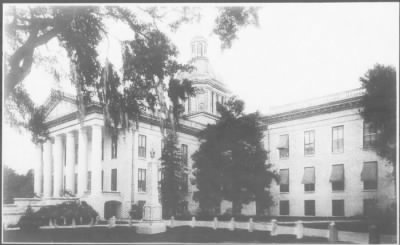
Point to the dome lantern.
(199, 47)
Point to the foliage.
(231, 19)
(16, 185)
(68, 210)
(230, 163)
(148, 59)
(379, 108)
(136, 211)
(172, 191)
(29, 221)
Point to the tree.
(230, 163)
(149, 80)
(16, 185)
(79, 30)
(172, 170)
(379, 108)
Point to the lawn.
(178, 234)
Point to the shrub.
(68, 210)
(136, 211)
(29, 221)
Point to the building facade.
(319, 147)
(322, 150)
(82, 160)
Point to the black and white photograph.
(195, 123)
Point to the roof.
(326, 104)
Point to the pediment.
(60, 109)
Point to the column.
(209, 101)
(37, 185)
(70, 162)
(82, 161)
(58, 165)
(96, 159)
(47, 151)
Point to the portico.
(64, 168)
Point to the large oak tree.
(230, 163)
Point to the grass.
(178, 234)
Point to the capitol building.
(320, 147)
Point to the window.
(284, 207)
(102, 180)
(89, 180)
(309, 207)
(369, 206)
(102, 148)
(369, 136)
(309, 179)
(338, 186)
(114, 146)
(141, 180)
(309, 142)
(309, 187)
(114, 179)
(75, 183)
(337, 207)
(184, 150)
(369, 175)
(337, 177)
(284, 180)
(142, 146)
(283, 146)
(337, 139)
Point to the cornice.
(144, 118)
(334, 106)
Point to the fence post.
(232, 224)
(215, 224)
(111, 222)
(193, 223)
(274, 228)
(299, 229)
(51, 223)
(333, 233)
(172, 221)
(373, 234)
(251, 224)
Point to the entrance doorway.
(112, 208)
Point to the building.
(320, 148)
(84, 161)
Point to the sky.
(299, 51)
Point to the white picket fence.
(286, 228)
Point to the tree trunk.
(20, 63)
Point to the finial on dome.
(199, 47)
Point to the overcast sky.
(299, 51)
